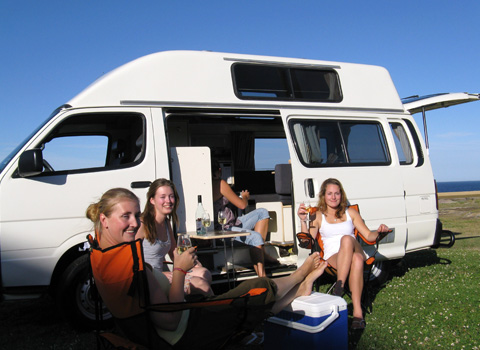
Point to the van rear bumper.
(438, 234)
(443, 238)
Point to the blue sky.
(51, 50)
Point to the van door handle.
(310, 188)
(140, 184)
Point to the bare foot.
(310, 264)
(306, 286)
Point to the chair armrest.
(380, 236)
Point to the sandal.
(338, 291)
(358, 323)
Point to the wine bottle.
(198, 217)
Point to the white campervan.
(167, 114)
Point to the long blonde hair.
(322, 205)
(105, 205)
(148, 215)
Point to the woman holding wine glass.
(336, 225)
(158, 239)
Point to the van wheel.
(379, 273)
(74, 296)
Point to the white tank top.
(154, 253)
(332, 234)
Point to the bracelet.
(181, 270)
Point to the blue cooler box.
(318, 320)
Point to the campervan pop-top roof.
(187, 78)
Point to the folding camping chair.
(137, 332)
(316, 245)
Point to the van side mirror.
(30, 163)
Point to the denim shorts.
(248, 222)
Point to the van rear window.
(263, 82)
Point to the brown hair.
(322, 205)
(148, 215)
(105, 205)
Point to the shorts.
(247, 223)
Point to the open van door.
(416, 104)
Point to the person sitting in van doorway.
(158, 239)
(256, 221)
(336, 225)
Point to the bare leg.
(355, 283)
(302, 289)
(342, 261)
(262, 228)
(256, 254)
(285, 284)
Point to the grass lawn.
(432, 299)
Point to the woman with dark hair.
(256, 221)
(158, 239)
(336, 225)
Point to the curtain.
(243, 150)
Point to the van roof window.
(271, 82)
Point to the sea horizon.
(458, 186)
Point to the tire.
(379, 273)
(74, 297)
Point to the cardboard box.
(318, 320)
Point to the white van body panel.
(186, 77)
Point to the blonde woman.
(336, 224)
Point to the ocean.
(458, 186)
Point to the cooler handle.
(306, 328)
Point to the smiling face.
(122, 224)
(163, 201)
(333, 196)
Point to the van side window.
(321, 143)
(93, 141)
(402, 144)
(416, 140)
(274, 82)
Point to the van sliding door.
(354, 150)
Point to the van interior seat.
(117, 152)
(283, 183)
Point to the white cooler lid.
(316, 305)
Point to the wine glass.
(222, 219)
(311, 208)
(183, 243)
(206, 222)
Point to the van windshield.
(12, 154)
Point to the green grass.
(432, 298)
(432, 301)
